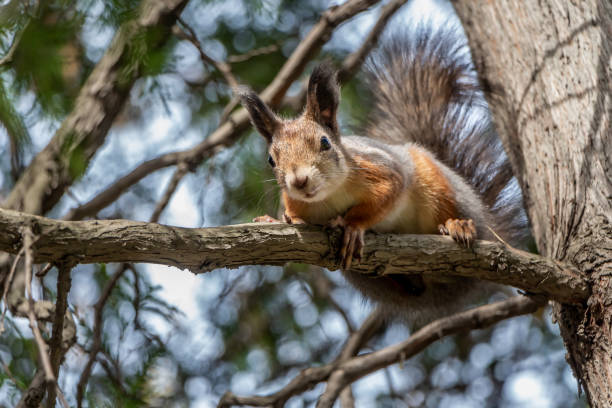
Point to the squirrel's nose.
(300, 182)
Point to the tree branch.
(309, 377)
(97, 333)
(205, 249)
(189, 34)
(99, 306)
(347, 369)
(477, 318)
(45, 361)
(57, 345)
(8, 57)
(28, 242)
(351, 63)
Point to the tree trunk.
(549, 67)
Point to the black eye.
(325, 143)
(271, 161)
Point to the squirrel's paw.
(265, 218)
(292, 220)
(352, 246)
(337, 222)
(462, 231)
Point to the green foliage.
(16, 129)
(117, 12)
(47, 60)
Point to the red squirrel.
(429, 163)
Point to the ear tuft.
(262, 117)
(323, 96)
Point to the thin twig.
(9, 374)
(309, 377)
(220, 66)
(44, 271)
(50, 378)
(61, 397)
(477, 318)
(323, 286)
(351, 63)
(346, 371)
(268, 49)
(228, 109)
(178, 175)
(28, 239)
(499, 238)
(7, 285)
(97, 333)
(11, 52)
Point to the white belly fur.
(336, 204)
(407, 217)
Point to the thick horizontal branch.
(205, 249)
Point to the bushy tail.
(426, 91)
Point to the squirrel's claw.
(461, 231)
(337, 222)
(286, 218)
(352, 246)
(292, 220)
(265, 218)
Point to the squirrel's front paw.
(293, 220)
(265, 218)
(352, 246)
(462, 231)
(337, 222)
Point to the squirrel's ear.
(262, 117)
(323, 96)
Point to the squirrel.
(429, 162)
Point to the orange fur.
(433, 187)
(295, 208)
(377, 188)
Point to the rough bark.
(204, 249)
(549, 65)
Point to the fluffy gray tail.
(426, 91)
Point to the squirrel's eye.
(325, 143)
(271, 161)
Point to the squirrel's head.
(308, 160)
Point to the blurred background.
(174, 339)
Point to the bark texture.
(205, 249)
(549, 66)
